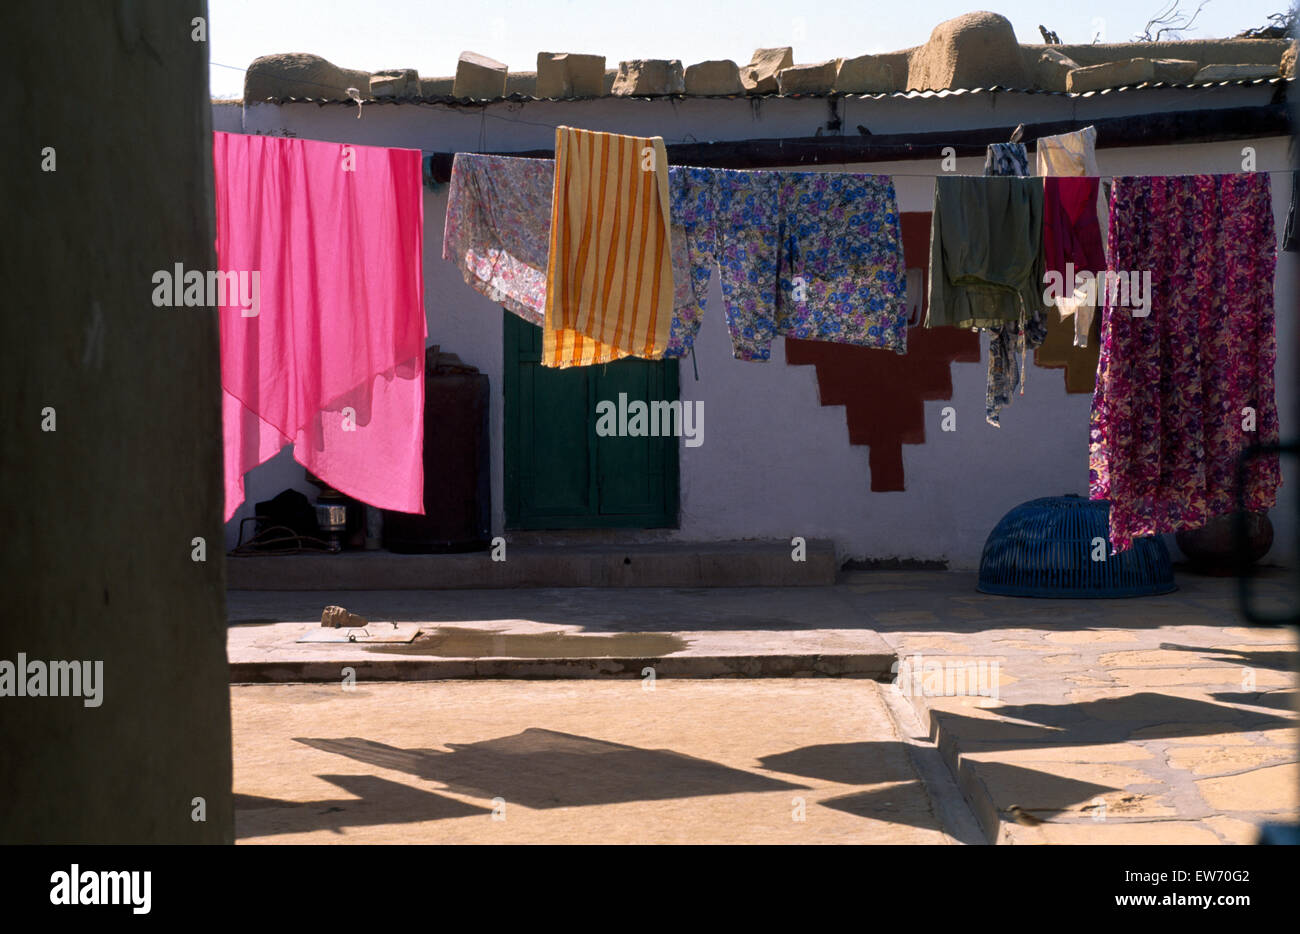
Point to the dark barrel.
(457, 479)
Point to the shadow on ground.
(1143, 716)
(1271, 659)
(1275, 700)
(542, 769)
(374, 801)
(547, 769)
(848, 763)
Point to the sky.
(429, 36)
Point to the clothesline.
(903, 147)
(934, 175)
(1105, 177)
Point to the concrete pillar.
(100, 515)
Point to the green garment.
(986, 251)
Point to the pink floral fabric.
(498, 227)
(1179, 389)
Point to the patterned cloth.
(1006, 159)
(730, 219)
(1006, 373)
(1167, 415)
(817, 256)
(498, 231)
(498, 228)
(609, 278)
(842, 251)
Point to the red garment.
(332, 359)
(1071, 232)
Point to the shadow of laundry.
(375, 801)
(1039, 793)
(1272, 659)
(1277, 700)
(541, 768)
(849, 763)
(901, 803)
(1132, 717)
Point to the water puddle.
(456, 642)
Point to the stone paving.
(1156, 720)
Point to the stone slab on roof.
(974, 51)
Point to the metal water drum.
(457, 478)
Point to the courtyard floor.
(766, 715)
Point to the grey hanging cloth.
(1009, 343)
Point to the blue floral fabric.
(842, 239)
(817, 256)
(730, 221)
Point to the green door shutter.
(559, 474)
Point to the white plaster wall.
(775, 463)
(227, 116)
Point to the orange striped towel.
(609, 279)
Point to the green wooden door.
(559, 473)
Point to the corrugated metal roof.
(955, 92)
(1240, 82)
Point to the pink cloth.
(333, 360)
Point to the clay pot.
(1212, 549)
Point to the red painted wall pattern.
(884, 393)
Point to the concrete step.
(702, 656)
(658, 564)
(559, 633)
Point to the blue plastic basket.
(1045, 547)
